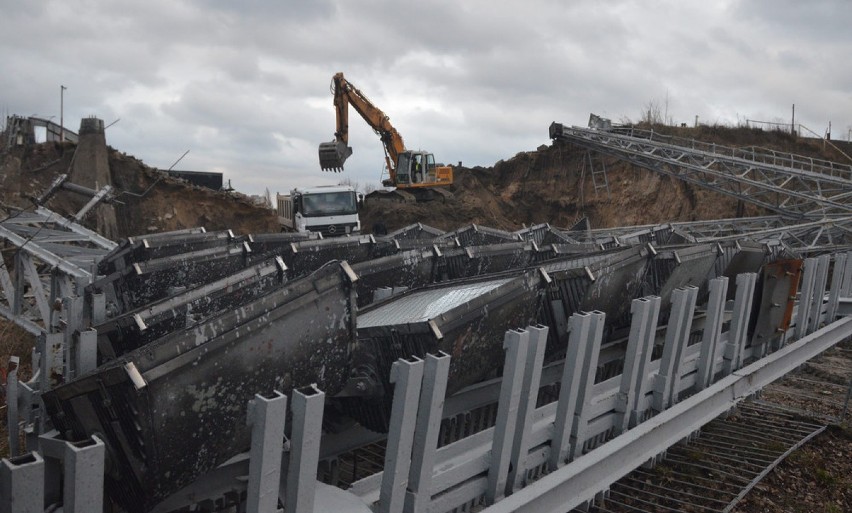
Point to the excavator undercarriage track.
(411, 195)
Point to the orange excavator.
(414, 174)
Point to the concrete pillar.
(91, 169)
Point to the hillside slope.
(553, 184)
(146, 200)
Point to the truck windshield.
(329, 203)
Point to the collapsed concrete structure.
(158, 345)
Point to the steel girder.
(810, 234)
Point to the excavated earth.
(146, 200)
(552, 184)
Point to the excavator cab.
(418, 169)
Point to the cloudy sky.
(244, 85)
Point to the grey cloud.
(302, 12)
(819, 21)
(244, 85)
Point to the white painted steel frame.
(580, 481)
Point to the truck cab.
(331, 210)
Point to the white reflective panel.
(422, 306)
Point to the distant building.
(199, 178)
(21, 131)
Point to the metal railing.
(755, 154)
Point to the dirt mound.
(146, 200)
(554, 184)
(153, 201)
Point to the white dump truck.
(328, 209)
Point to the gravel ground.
(817, 477)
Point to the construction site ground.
(552, 184)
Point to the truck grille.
(332, 230)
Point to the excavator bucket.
(333, 154)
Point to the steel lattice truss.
(54, 258)
(808, 235)
(788, 184)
